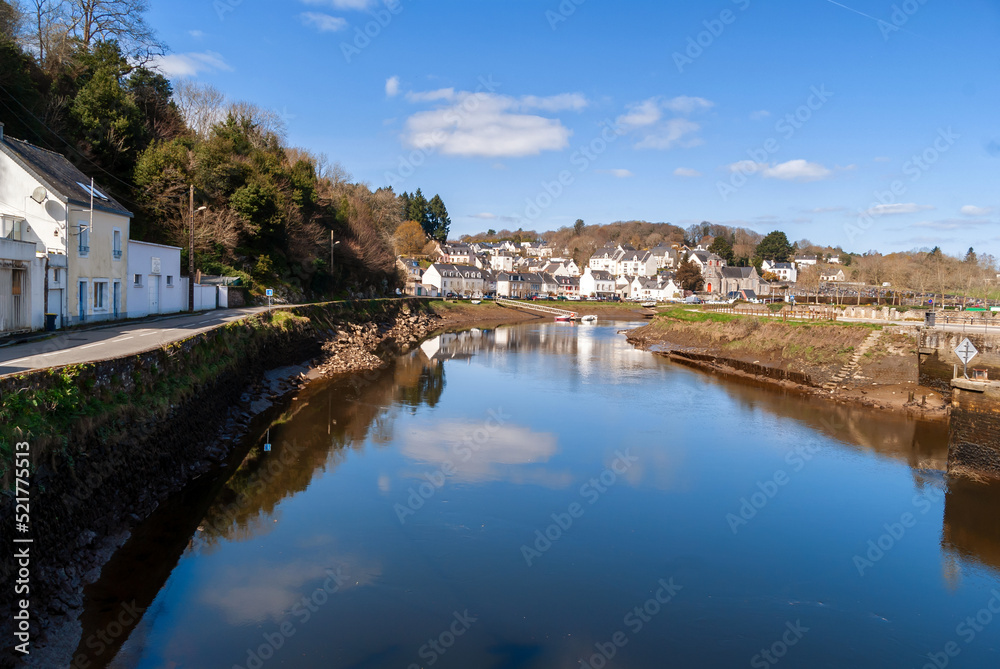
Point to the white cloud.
(759, 115)
(485, 125)
(899, 208)
(647, 121)
(197, 34)
(486, 216)
(554, 103)
(179, 65)
(793, 170)
(345, 4)
(392, 87)
(798, 170)
(951, 224)
(686, 172)
(687, 105)
(972, 210)
(431, 96)
(620, 173)
(323, 22)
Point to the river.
(544, 495)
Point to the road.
(116, 340)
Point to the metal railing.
(794, 313)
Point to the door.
(82, 300)
(117, 298)
(154, 294)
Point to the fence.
(15, 298)
(795, 313)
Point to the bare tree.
(120, 20)
(201, 105)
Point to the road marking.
(210, 320)
(93, 345)
(14, 362)
(123, 339)
(148, 333)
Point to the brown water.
(545, 496)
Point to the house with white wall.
(73, 222)
(22, 284)
(458, 279)
(155, 283)
(597, 283)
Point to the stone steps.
(851, 368)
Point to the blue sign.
(267, 448)
(270, 292)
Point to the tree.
(124, 21)
(774, 247)
(578, 227)
(438, 220)
(417, 210)
(846, 259)
(10, 21)
(689, 276)
(409, 238)
(721, 247)
(970, 257)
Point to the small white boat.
(589, 318)
(477, 301)
(648, 305)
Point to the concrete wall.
(161, 289)
(205, 297)
(938, 359)
(974, 446)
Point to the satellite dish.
(39, 195)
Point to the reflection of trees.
(329, 418)
(971, 532)
(421, 381)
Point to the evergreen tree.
(774, 247)
(721, 247)
(689, 276)
(438, 220)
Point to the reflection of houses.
(970, 522)
(83, 231)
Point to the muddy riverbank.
(850, 363)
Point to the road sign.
(269, 292)
(966, 351)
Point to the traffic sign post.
(966, 351)
(270, 293)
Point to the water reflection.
(523, 416)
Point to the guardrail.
(796, 313)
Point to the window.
(137, 279)
(56, 275)
(84, 237)
(117, 245)
(92, 191)
(100, 295)
(170, 281)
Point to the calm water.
(545, 496)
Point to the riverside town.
(373, 333)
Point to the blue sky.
(869, 124)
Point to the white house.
(785, 271)
(518, 284)
(502, 262)
(636, 263)
(804, 260)
(831, 274)
(22, 284)
(74, 222)
(155, 283)
(705, 260)
(597, 283)
(458, 279)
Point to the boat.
(564, 319)
(589, 318)
(648, 305)
(477, 301)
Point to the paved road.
(73, 348)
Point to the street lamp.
(191, 211)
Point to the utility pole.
(191, 249)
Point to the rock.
(85, 538)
